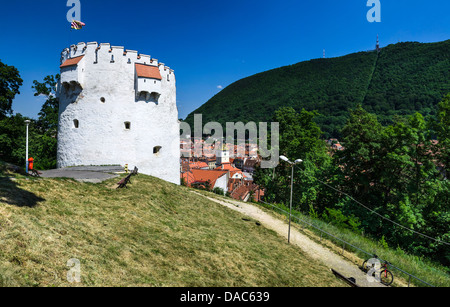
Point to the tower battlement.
(104, 52)
(86, 65)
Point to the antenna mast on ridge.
(378, 43)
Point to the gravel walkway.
(93, 174)
(310, 247)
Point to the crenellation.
(73, 50)
(105, 53)
(116, 53)
(91, 49)
(131, 56)
(78, 50)
(144, 59)
(64, 55)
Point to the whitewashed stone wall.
(100, 92)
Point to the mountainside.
(151, 234)
(400, 79)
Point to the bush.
(337, 218)
(219, 191)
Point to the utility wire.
(385, 218)
(345, 242)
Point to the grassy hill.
(401, 79)
(152, 234)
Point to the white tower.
(222, 155)
(117, 107)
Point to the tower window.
(157, 150)
(76, 123)
(154, 97)
(127, 126)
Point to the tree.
(48, 116)
(10, 83)
(300, 138)
(393, 171)
(12, 139)
(361, 159)
(442, 128)
(45, 142)
(408, 177)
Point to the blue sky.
(209, 44)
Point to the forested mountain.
(400, 79)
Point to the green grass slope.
(152, 234)
(401, 79)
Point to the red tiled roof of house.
(72, 61)
(147, 71)
(198, 165)
(241, 192)
(201, 175)
(228, 167)
(238, 171)
(188, 178)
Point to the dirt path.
(311, 248)
(93, 174)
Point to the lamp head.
(285, 159)
(298, 161)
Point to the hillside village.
(223, 172)
(226, 172)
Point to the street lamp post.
(292, 189)
(27, 122)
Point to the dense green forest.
(399, 80)
(390, 182)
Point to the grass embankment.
(152, 234)
(427, 271)
(419, 267)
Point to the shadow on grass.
(12, 194)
